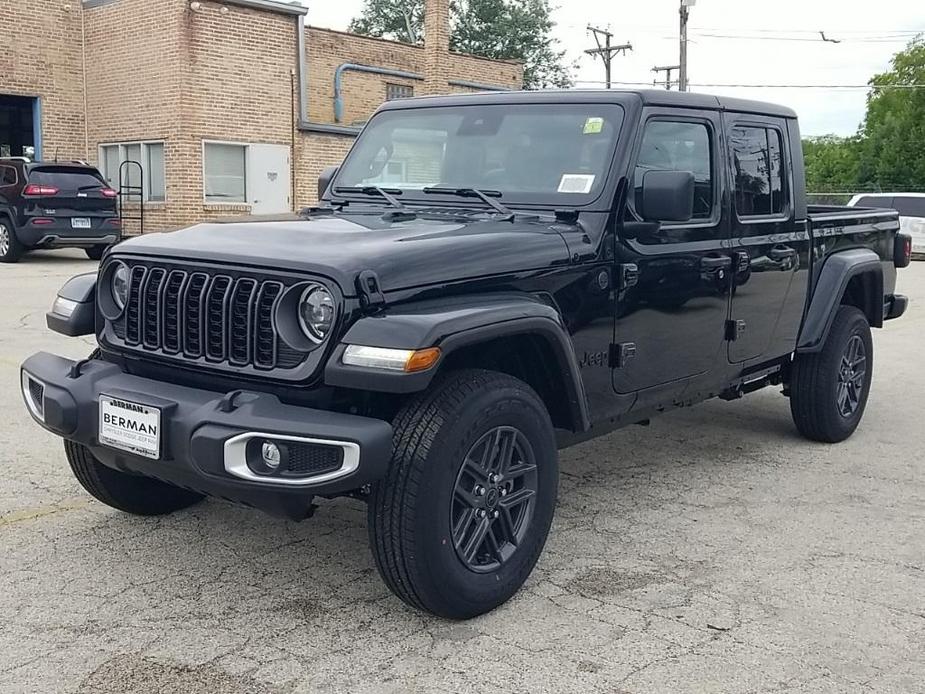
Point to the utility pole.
(606, 51)
(682, 67)
(667, 69)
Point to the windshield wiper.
(483, 195)
(386, 193)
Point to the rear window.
(909, 206)
(67, 179)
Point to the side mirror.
(324, 180)
(667, 196)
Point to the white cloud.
(866, 31)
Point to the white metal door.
(268, 179)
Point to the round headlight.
(120, 281)
(316, 312)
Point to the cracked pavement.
(713, 551)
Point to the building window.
(225, 172)
(759, 178)
(398, 91)
(150, 155)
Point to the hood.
(403, 254)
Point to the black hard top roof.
(649, 97)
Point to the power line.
(741, 37)
(877, 87)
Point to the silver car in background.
(911, 208)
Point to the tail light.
(38, 191)
(902, 250)
(109, 193)
(42, 221)
(114, 222)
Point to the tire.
(412, 512)
(823, 407)
(141, 496)
(10, 248)
(95, 252)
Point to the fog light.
(271, 455)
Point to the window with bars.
(398, 91)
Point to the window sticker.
(594, 126)
(576, 183)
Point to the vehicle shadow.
(321, 567)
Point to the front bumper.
(199, 431)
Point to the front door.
(771, 244)
(268, 179)
(672, 309)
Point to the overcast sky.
(869, 33)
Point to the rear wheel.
(95, 252)
(10, 248)
(463, 514)
(141, 496)
(829, 388)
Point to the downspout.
(354, 67)
(303, 70)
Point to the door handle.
(778, 254)
(715, 263)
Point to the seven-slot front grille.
(196, 315)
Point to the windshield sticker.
(576, 183)
(594, 126)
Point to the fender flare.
(834, 275)
(454, 325)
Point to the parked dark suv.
(55, 205)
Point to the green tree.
(893, 134)
(500, 29)
(832, 163)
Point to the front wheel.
(463, 514)
(829, 388)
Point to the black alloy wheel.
(493, 499)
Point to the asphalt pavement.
(713, 551)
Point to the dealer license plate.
(130, 427)
(80, 223)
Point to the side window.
(908, 206)
(679, 146)
(759, 173)
(7, 176)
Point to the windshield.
(532, 153)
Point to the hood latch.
(369, 291)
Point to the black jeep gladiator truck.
(487, 279)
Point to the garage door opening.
(19, 127)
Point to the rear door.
(672, 311)
(74, 196)
(771, 244)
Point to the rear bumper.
(201, 433)
(61, 235)
(895, 306)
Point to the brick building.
(230, 107)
